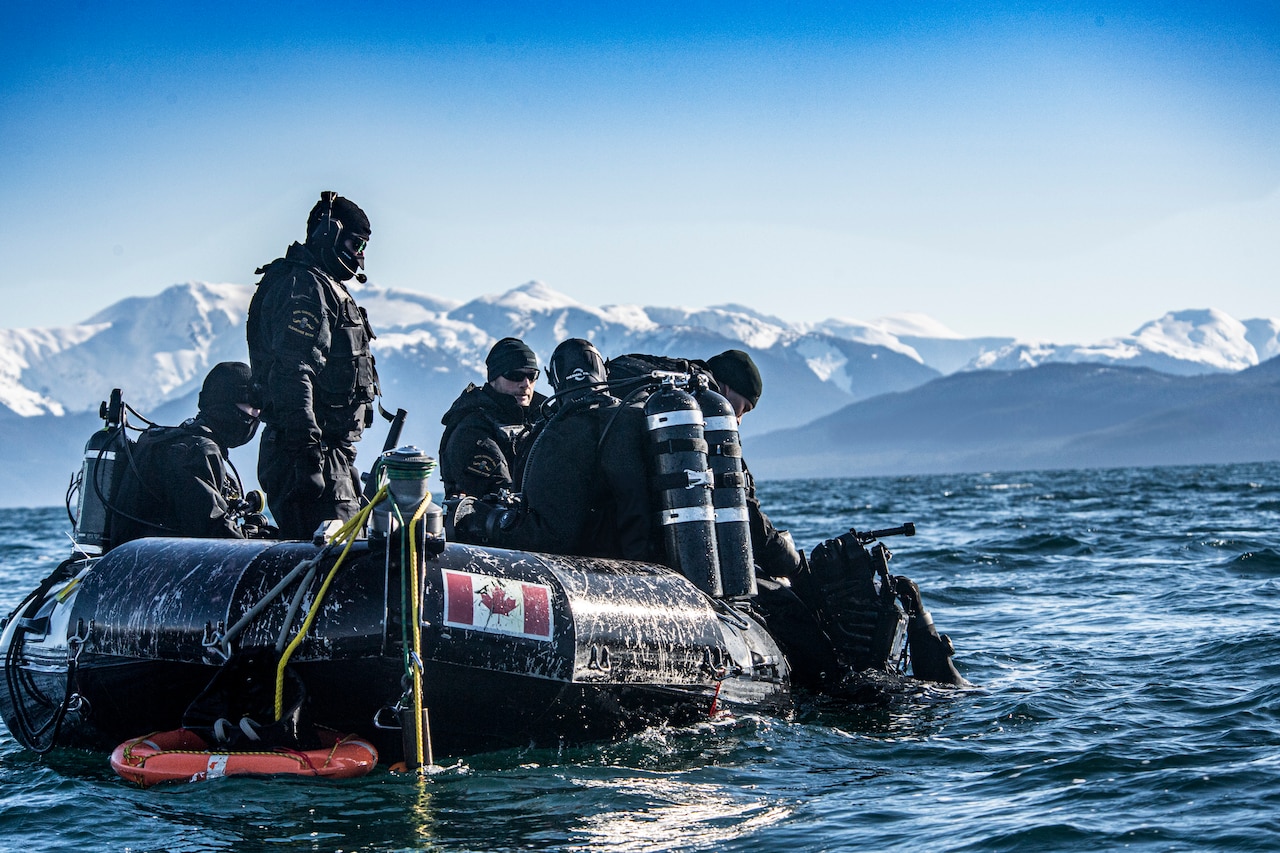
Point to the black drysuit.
(482, 438)
(585, 484)
(772, 551)
(313, 378)
(176, 481)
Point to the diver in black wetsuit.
(177, 481)
(584, 487)
(739, 381)
(810, 605)
(734, 375)
(313, 374)
(485, 426)
(833, 589)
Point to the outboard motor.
(99, 477)
(729, 495)
(683, 485)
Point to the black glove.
(480, 520)
(469, 520)
(256, 526)
(308, 475)
(779, 557)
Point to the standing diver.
(313, 373)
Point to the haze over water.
(1119, 624)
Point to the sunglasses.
(357, 244)
(521, 375)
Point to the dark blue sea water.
(1120, 626)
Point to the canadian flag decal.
(497, 605)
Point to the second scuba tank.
(682, 483)
(99, 477)
(733, 529)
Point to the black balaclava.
(576, 363)
(330, 222)
(224, 389)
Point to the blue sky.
(1053, 170)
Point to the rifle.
(908, 529)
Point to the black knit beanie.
(735, 369)
(507, 355)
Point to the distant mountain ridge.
(1051, 416)
(1182, 342)
(158, 349)
(161, 346)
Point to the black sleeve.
(472, 463)
(196, 503)
(773, 551)
(300, 333)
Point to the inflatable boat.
(513, 648)
(384, 630)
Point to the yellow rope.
(349, 530)
(417, 631)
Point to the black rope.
(21, 683)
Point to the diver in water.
(739, 381)
(734, 375)
(816, 609)
(584, 486)
(484, 427)
(835, 586)
(313, 373)
(177, 481)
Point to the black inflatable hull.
(516, 648)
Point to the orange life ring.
(183, 756)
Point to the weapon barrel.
(908, 529)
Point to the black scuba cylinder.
(682, 484)
(99, 476)
(729, 495)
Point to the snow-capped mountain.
(158, 349)
(1051, 416)
(1181, 342)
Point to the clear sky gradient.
(1046, 170)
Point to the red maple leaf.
(498, 602)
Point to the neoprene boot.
(930, 651)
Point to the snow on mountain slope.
(1264, 337)
(397, 309)
(917, 336)
(20, 348)
(1181, 342)
(159, 348)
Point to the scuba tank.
(733, 529)
(682, 483)
(99, 477)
